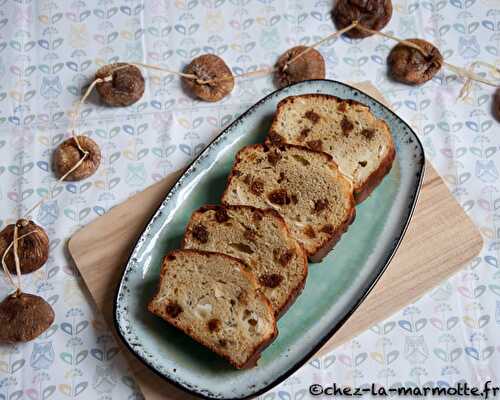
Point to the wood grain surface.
(439, 241)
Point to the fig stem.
(22, 223)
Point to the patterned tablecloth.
(48, 51)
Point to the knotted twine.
(16, 238)
(467, 87)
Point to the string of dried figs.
(32, 250)
(292, 66)
(125, 87)
(24, 317)
(411, 66)
(214, 80)
(372, 14)
(68, 154)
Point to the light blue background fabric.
(50, 49)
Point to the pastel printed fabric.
(50, 49)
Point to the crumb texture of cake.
(359, 143)
(261, 239)
(303, 185)
(214, 298)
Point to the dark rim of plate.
(358, 300)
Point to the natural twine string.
(268, 71)
(469, 74)
(321, 41)
(16, 238)
(150, 66)
(467, 87)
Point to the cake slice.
(214, 298)
(359, 143)
(303, 185)
(261, 239)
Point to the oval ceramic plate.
(334, 288)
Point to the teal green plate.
(334, 288)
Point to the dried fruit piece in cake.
(359, 143)
(214, 298)
(303, 185)
(258, 237)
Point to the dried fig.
(496, 105)
(33, 249)
(372, 14)
(310, 65)
(125, 87)
(68, 154)
(24, 317)
(411, 66)
(214, 78)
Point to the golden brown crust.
(327, 243)
(67, 155)
(330, 244)
(33, 250)
(376, 177)
(257, 350)
(255, 354)
(360, 192)
(297, 290)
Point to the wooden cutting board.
(439, 241)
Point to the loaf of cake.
(359, 143)
(303, 185)
(261, 239)
(214, 298)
